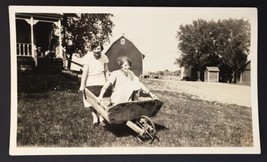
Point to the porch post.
(33, 53)
(62, 53)
(32, 43)
(60, 40)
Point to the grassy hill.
(51, 114)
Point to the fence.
(24, 49)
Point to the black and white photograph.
(133, 80)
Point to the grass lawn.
(51, 114)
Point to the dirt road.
(222, 92)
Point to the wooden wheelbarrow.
(135, 114)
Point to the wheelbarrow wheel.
(147, 125)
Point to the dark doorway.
(42, 33)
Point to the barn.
(245, 74)
(124, 47)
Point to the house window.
(122, 41)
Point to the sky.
(153, 30)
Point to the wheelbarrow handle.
(101, 104)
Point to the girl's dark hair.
(96, 44)
(122, 59)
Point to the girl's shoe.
(95, 124)
(101, 121)
(95, 121)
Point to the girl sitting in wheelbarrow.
(125, 84)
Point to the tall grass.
(51, 113)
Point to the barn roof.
(125, 39)
(245, 66)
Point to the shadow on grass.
(160, 127)
(120, 130)
(39, 82)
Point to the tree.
(80, 30)
(208, 43)
(233, 47)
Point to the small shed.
(211, 74)
(124, 47)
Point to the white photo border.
(15, 150)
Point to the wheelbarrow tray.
(125, 111)
(133, 110)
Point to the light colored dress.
(96, 74)
(123, 86)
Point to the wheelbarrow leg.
(134, 127)
(145, 129)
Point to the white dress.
(123, 86)
(96, 75)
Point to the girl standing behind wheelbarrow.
(95, 72)
(124, 83)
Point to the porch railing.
(24, 49)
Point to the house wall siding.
(246, 77)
